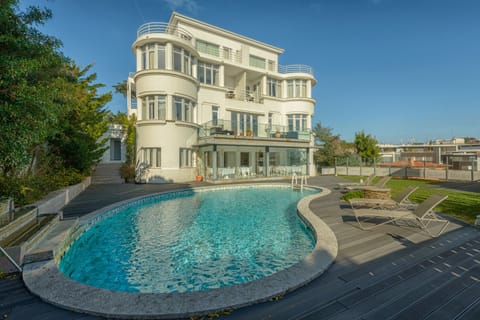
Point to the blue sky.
(402, 70)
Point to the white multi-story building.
(213, 103)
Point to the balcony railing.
(225, 128)
(243, 95)
(295, 68)
(162, 27)
(227, 55)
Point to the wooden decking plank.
(396, 260)
(323, 313)
(472, 313)
(404, 296)
(458, 305)
(423, 307)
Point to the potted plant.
(127, 172)
(278, 134)
(241, 133)
(249, 133)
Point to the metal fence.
(418, 172)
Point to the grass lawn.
(460, 204)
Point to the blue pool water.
(194, 241)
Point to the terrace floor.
(393, 272)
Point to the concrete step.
(107, 173)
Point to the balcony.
(263, 131)
(243, 95)
(295, 68)
(165, 28)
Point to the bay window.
(274, 88)
(297, 122)
(153, 107)
(296, 88)
(182, 109)
(207, 73)
(182, 60)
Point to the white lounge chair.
(400, 200)
(423, 215)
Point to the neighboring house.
(454, 153)
(115, 142)
(217, 104)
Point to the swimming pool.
(192, 240)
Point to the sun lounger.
(423, 215)
(380, 184)
(367, 182)
(400, 200)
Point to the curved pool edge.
(45, 280)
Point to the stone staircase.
(107, 173)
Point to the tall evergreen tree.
(30, 71)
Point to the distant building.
(217, 104)
(455, 153)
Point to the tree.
(31, 73)
(366, 146)
(77, 139)
(330, 146)
(121, 88)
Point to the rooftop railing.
(295, 68)
(162, 27)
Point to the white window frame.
(186, 156)
(152, 157)
(183, 107)
(208, 73)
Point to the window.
(152, 157)
(257, 62)
(207, 73)
(144, 59)
(148, 58)
(186, 157)
(296, 88)
(297, 122)
(228, 159)
(182, 60)
(214, 115)
(153, 107)
(161, 51)
(244, 159)
(208, 48)
(182, 109)
(271, 65)
(151, 56)
(227, 53)
(274, 87)
(296, 157)
(243, 122)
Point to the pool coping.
(45, 280)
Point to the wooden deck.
(393, 272)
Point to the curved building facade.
(213, 103)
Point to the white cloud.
(188, 5)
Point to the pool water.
(195, 241)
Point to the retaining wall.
(56, 200)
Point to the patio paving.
(394, 272)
